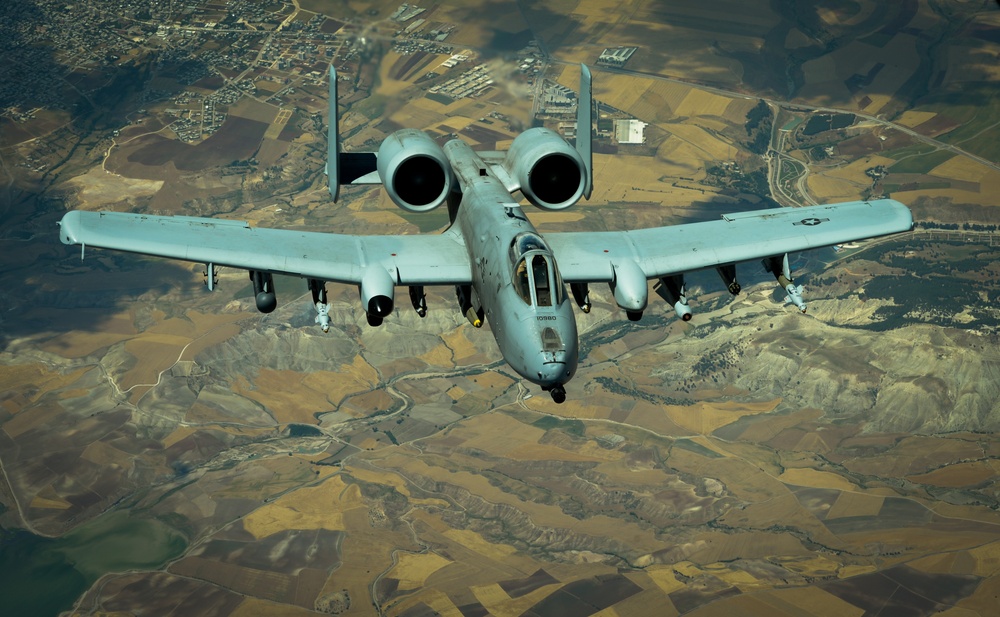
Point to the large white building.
(630, 131)
(616, 56)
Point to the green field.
(920, 163)
(977, 108)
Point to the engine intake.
(550, 172)
(414, 170)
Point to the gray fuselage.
(515, 278)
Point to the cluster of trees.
(753, 182)
(758, 126)
(615, 387)
(573, 427)
(827, 122)
(955, 226)
(709, 365)
(918, 299)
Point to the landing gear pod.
(414, 170)
(377, 290)
(263, 289)
(629, 287)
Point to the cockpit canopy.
(525, 242)
(536, 278)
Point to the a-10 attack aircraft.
(503, 269)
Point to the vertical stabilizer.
(333, 139)
(585, 128)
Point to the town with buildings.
(198, 58)
(194, 62)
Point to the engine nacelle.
(414, 170)
(550, 172)
(377, 292)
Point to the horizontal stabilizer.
(344, 167)
(354, 166)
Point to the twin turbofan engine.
(550, 173)
(417, 175)
(414, 170)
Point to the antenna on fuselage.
(585, 128)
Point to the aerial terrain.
(166, 450)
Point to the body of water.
(43, 576)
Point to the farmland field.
(753, 460)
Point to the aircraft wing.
(409, 260)
(743, 236)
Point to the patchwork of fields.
(751, 461)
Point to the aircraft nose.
(552, 368)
